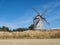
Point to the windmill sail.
(36, 11)
(39, 19)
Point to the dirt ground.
(29, 41)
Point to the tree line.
(4, 28)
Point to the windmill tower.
(39, 19)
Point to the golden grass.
(30, 34)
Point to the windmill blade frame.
(39, 19)
(46, 21)
(36, 11)
(44, 11)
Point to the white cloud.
(10, 25)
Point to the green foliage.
(31, 27)
(4, 28)
(7, 29)
(20, 29)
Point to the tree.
(5, 28)
(20, 29)
(31, 27)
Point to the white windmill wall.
(39, 25)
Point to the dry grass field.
(29, 41)
(31, 34)
(47, 37)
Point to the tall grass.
(47, 34)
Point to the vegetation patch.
(43, 34)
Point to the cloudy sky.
(19, 13)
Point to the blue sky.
(19, 13)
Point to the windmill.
(39, 19)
